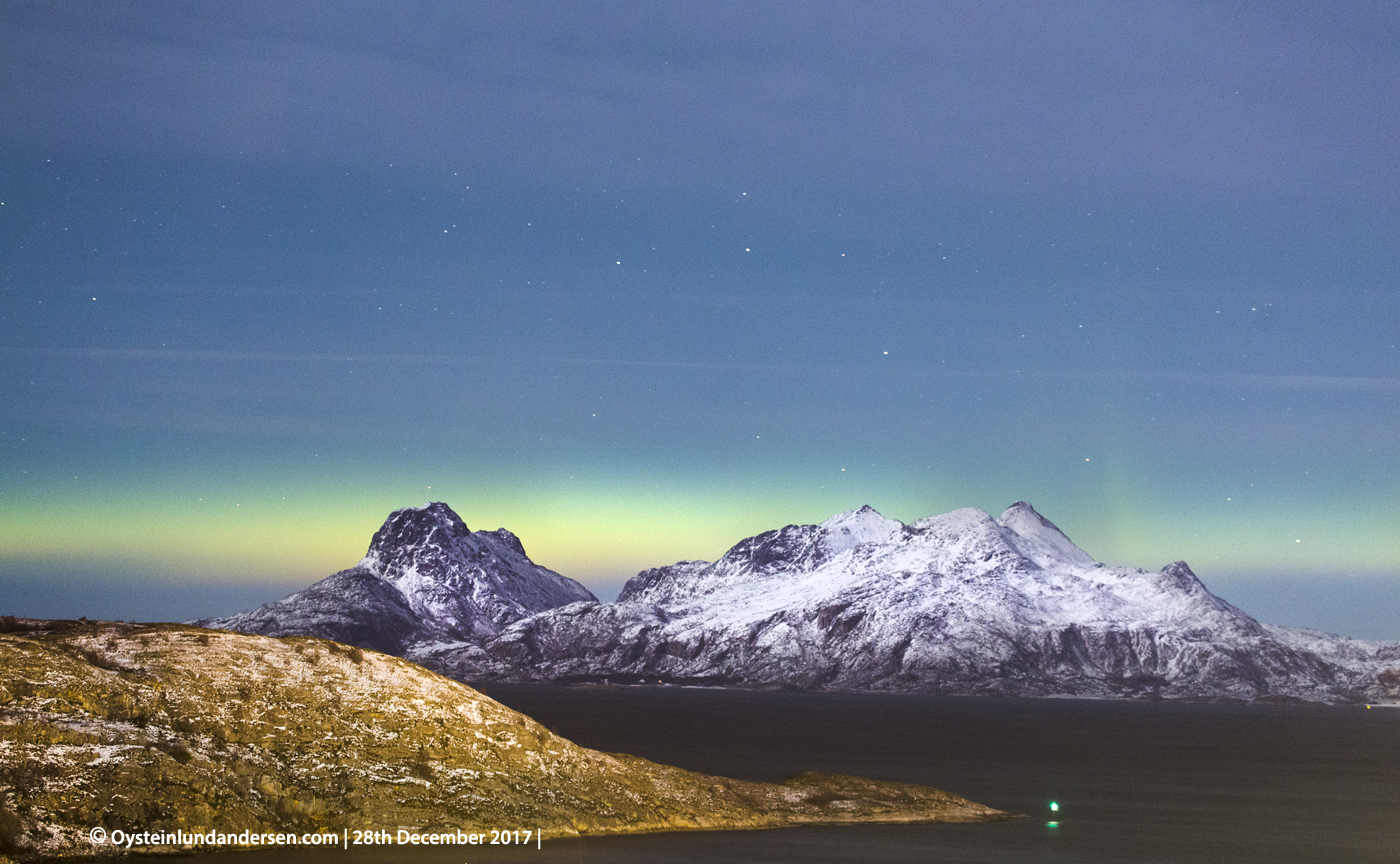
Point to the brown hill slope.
(168, 727)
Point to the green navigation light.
(1054, 807)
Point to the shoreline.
(170, 727)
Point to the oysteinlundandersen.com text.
(345, 839)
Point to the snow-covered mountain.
(426, 579)
(957, 603)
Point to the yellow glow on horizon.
(603, 531)
(250, 535)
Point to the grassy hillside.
(164, 727)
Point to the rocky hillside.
(166, 727)
(426, 578)
(960, 603)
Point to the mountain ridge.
(426, 577)
(956, 603)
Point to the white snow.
(956, 602)
(959, 602)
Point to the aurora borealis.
(638, 281)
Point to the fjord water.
(1136, 782)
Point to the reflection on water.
(1097, 781)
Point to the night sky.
(637, 280)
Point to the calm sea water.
(1136, 782)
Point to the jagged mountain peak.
(1022, 508)
(468, 582)
(863, 511)
(433, 539)
(416, 531)
(1039, 539)
(1181, 570)
(961, 519)
(426, 577)
(968, 539)
(766, 561)
(1180, 575)
(963, 602)
(855, 527)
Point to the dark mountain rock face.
(426, 578)
(959, 603)
(353, 606)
